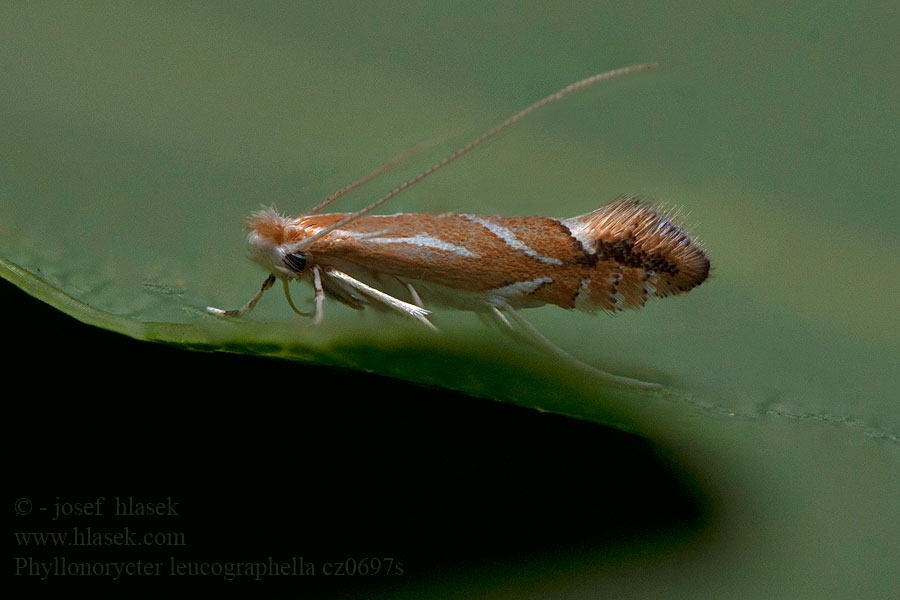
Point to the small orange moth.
(612, 258)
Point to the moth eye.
(295, 262)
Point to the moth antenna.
(574, 87)
(385, 167)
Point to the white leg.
(417, 300)
(247, 307)
(319, 298)
(406, 308)
(501, 316)
(539, 337)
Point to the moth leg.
(548, 345)
(270, 280)
(496, 318)
(287, 295)
(501, 317)
(406, 308)
(416, 299)
(319, 297)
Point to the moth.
(613, 258)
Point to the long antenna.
(386, 166)
(574, 87)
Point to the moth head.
(270, 238)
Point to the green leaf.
(136, 139)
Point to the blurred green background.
(135, 137)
